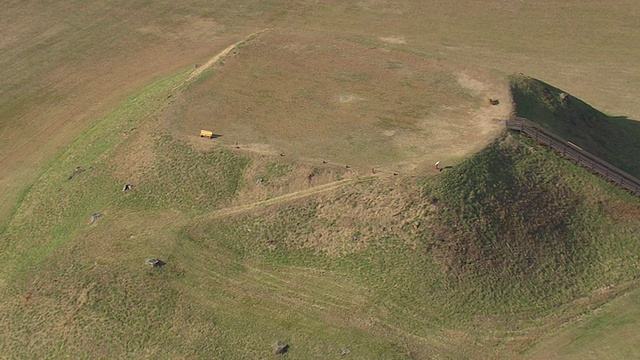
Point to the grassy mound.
(480, 259)
(614, 139)
(537, 231)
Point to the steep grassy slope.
(542, 231)
(614, 139)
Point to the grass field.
(512, 252)
(611, 332)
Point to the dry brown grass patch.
(313, 97)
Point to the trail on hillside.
(283, 198)
(221, 55)
(228, 211)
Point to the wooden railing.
(575, 153)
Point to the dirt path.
(283, 198)
(269, 202)
(221, 55)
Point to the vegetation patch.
(528, 228)
(186, 179)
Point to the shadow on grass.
(615, 139)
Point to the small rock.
(95, 217)
(280, 348)
(155, 263)
(345, 351)
(76, 171)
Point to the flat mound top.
(313, 96)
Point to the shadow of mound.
(615, 139)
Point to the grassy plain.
(610, 332)
(319, 257)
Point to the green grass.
(486, 268)
(609, 333)
(275, 170)
(56, 207)
(532, 261)
(185, 179)
(527, 225)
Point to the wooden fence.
(575, 153)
